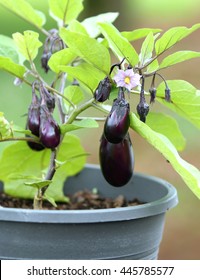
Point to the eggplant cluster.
(116, 152)
(40, 121)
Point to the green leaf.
(139, 33)
(74, 94)
(88, 49)
(91, 23)
(21, 130)
(69, 152)
(6, 64)
(8, 49)
(189, 173)
(153, 66)
(185, 100)
(23, 9)
(18, 158)
(28, 44)
(167, 126)
(38, 184)
(85, 123)
(119, 44)
(66, 10)
(85, 74)
(76, 26)
(173, 36)
(147, 49)
(51, 200)
(60, 163)
(63, 57)
(178, 57)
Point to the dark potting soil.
(80, 200)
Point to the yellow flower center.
(127, 80)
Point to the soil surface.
(80, 200)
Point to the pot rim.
(96, 215)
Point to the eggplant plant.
(76, 73)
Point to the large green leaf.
(119, 44)
(167, 126)
(9, 49)
(91, 23)
(28, 44)
(9, 66)
(88, 49)
(85, 123)
(173, 36)
(139, 33)
(23, 9)
(19, 159)
(76, 26)
(189, 173)
(63, 57)
(147, 49)
(178, 57)
(66, 10)
(74, 94)
(185, 100)
(85, 74)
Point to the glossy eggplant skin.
(116, 161)
(33, 121)
(103, 90)
(35, 146)
(49, 130)
(118, 121)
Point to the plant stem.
(59, 98)
(29, 139)
(51, 170)
(37, 202)
(79, 110)
(38, 199)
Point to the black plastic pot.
(121, 233)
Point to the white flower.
(127, 79)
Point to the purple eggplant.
(116, 161)
(103, 90)
(44, 61)
(143, 110)
(33, 122)
(152, 92)
(118, 121)
(48, 98)
(35, 146)
(49, 129)
(52, 44)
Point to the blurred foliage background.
(182, 230)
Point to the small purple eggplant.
(118, 121)
(103, 90)
(143, 110)
(44, 61)
(33, 122)
(48, 98)
(116, 161)
(49, 129)
(35, 146)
